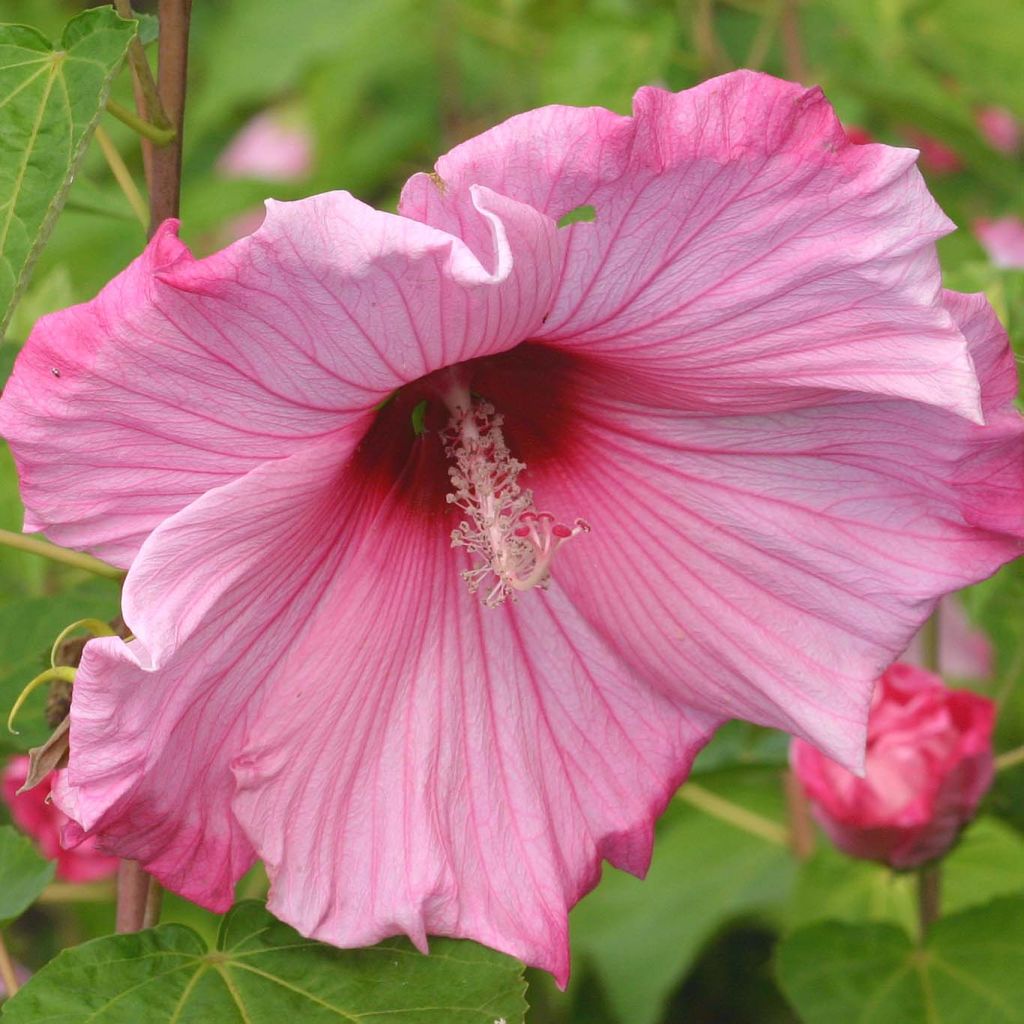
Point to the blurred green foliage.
(384, 87)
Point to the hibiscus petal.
(743, 251)
(216, 593)
(182, 374)
(769, 567)
(428, 765)
(407, 760)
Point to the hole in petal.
(579, 215)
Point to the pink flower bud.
(38, 817)
(928, 764)
(1000, 129)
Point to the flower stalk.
(122, 176)
(929, 896)
(155, 134)
(7, 972)
(739, 817)
(38, 546)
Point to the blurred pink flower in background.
(1000, 129)
(271, 146)
(857, 135)
(35, 814)
(929, 763)
(1003, 241)
(964, 651)
(937, 158)
(21, 972)
(742, 371)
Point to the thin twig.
(792, 42)
(151, 108)
(1010, 759)
(147, 100)
(38, 546)
(165, 193)
(77, 892)
(929, 896)
(159, 136)
(762, 41)
(801, 827)
(7, 973)
(122, 176)
(739, 817)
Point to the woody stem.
(7, 973)
(138, 900)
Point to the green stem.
(929, 886)
(739, 817)
(931, 632)
(159, 136)
(122, 176)
(1010, 759)
(7, 972)
(77, 892)
(801, 825)
(38, 546)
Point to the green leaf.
(50, 101)
(641, 937)
(971, 969)
(263, 972)
(23, 873)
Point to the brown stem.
(132, 896)
(7, 972)
(138, 898)
(929, 886)
(792, 42)
(709, 53)
(165, 191)
(154, 903)
(801, 827)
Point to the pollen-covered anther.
(514, 543)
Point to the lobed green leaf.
(971, 969)
(263, 972)
(50, 101)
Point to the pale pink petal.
(743, 251)
(270, 146)
(215, 596)
(769, 567)
(1003, 240)
(407, 760)
(182, 374)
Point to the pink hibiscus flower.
(1000, 129)
(1003, 241)
(270, 146)
(35, 814)
(740, 390)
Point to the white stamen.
(515, 543)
